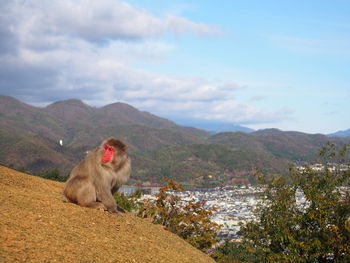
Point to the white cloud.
(234, 111)
(95, 21)
(54, 50)
(181, 25)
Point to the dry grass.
(36, 226)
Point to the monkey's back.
(81, 176)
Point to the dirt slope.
(36, 226)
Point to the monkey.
(93, 182)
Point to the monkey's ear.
(121, 145)
(117, 144)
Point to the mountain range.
(30, 140)
(345, 133)
(215, 126)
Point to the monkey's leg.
(92, 204)
(87, 198)
(105, 195)
(115, 189)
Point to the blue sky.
(260, 64)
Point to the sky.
(260, 64)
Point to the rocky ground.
(36, 226)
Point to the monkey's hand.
(113, 209)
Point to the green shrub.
(237, 252)
(53, 175)
(131, 203)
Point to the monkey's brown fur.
(92, 183)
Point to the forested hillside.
(30, 141)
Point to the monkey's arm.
(104, 194)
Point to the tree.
(305, 218)
(189, 220)
(236, 252)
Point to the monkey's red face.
(108, 153)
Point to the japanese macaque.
(95, 179)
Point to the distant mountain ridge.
(228, 128)
(216, 127)
(159, 148)
(345, 133)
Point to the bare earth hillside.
(36, 226)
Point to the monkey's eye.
(108, 148)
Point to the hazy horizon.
(196, 123)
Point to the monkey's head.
(113, 151)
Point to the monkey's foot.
(120, 209)
(97, 205)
